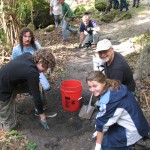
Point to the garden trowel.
(87, 110)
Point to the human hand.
(94, 134)
(98, 146)
(44, 124)
(89, 29)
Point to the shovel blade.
(86, 111)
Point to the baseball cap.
(103, 45)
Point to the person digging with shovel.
(120, 122)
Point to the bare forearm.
(100, 136)
(81, 37)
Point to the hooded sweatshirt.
(121, 118)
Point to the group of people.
(62, 13)
(25, 74)
(88, 28)
(119, 123)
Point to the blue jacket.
(17, 50)
(121, 117)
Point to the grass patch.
(12, 140)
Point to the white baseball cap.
(103, 45)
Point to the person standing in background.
(67, 17)
(108, 6)
(56, 10)
(123, 4)
(136, 3)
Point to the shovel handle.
(90, 100)
(79, 98)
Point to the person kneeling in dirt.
(22, 75)
(120, 122)
(88, 32)
(115, 66)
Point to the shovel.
(87, 110)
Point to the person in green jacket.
(67, 17)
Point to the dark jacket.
(18, 72)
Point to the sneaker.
(26, 94)
(48, 114)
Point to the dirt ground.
(68, 131)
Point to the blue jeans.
(123, 3)
(65, 27)
(116, 4)
(57, 20)
(91, 38)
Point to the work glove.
(94, 134)
(98, 146)
(89, 29)
(44, 124)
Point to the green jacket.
(66, 10)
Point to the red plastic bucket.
(71, 91)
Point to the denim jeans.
(44, 82)
(91, 38)
(123, 3)
(57, 20)
(65, 27)
(116, 4)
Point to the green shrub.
(101, 6)
(109, 17)
(80, 10)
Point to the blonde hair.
(100, 77)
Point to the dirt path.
(67, 130)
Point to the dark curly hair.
(22, 32)
(48, 59)
(100, 77)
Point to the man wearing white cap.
(115, 65)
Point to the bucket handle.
(79, 98)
